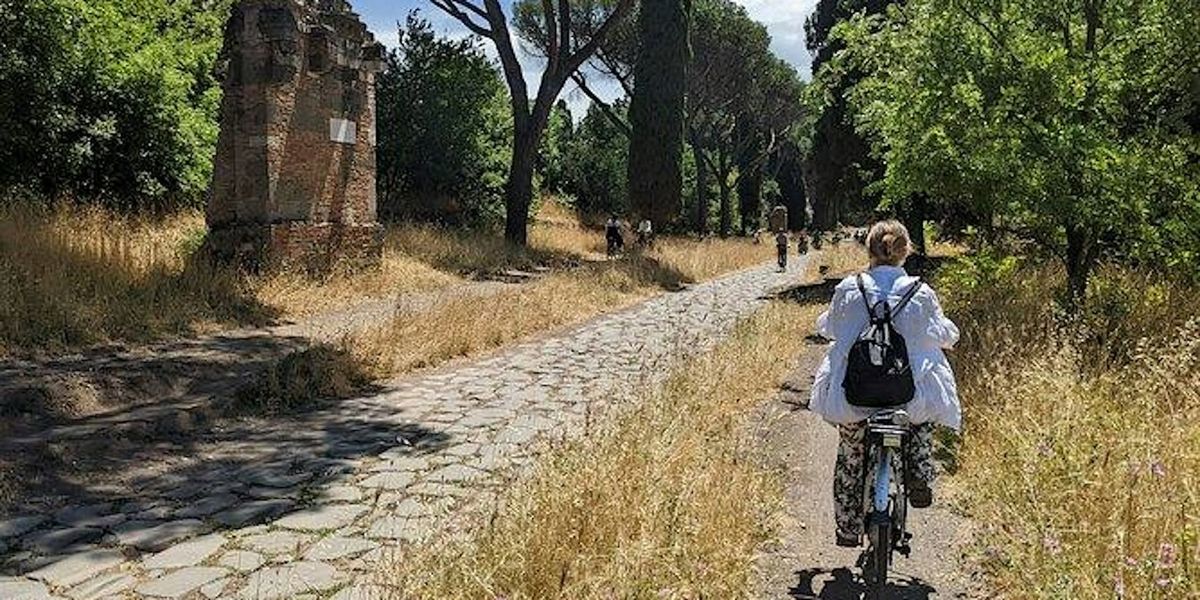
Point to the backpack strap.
(862, 289)
(908, 296)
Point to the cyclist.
(926, 331)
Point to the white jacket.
(926, 331)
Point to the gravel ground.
(805, 563)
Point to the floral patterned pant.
(849, 472)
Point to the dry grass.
(1081, 462)
(459, 327)
(73, 276)
(698, 260)
(837, 260)
(303, 379)
(661, 502)
(401, 271)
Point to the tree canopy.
(120, 97)
(1071, 125)
(443, 129)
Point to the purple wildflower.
(1158, 469)
(1166, 556)
(1051, 544)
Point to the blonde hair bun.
(888, 243)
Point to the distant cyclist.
(926, 332)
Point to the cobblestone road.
(309, 507)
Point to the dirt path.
(805, 563)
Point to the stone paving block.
(396, 459)
(290, 581)
(58, 541)
(180, 583)
(253, 512)
(399, 528)
(516, 435)
(411, 508)
(241, 561)
(152, 537)
(463, 449)
(340, 493)
(389, 481)
(438, 490)
(102, 586)
(334, 548)
(16, 588)
(454, 474)
(260, 492)
(215, 589)
(319, 518)
(156, 513)
(17, 526)
(272, 479)
(187, 554)
(77, 568)
(208, 505)
(79, 516)
(276, 542)
(187, 491)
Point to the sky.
(784, 20)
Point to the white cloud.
(785, 21)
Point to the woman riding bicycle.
(926, 332)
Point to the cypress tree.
(656, 111)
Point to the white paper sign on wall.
(343, 131)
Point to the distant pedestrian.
(778, 219)
(612, 235)
(802, 243)
(781, 248)
(645, 234)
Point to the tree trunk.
(701, 212)
(726, 209)
(518, 195)
(1080, 259)
(750, 198)
(791, 187)
(656, 110)
(913, 215)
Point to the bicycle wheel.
(880, 555)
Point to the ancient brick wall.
(294, 177)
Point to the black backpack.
(878, 374)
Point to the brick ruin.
(294, 177)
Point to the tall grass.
(72, 275)
(1081, 461)
(78, 275)
(661, 502)
(460, 327)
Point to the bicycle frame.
(883, 481)
(886, 504)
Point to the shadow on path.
(843, 584)
(144, 494)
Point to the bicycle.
(886, 499)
